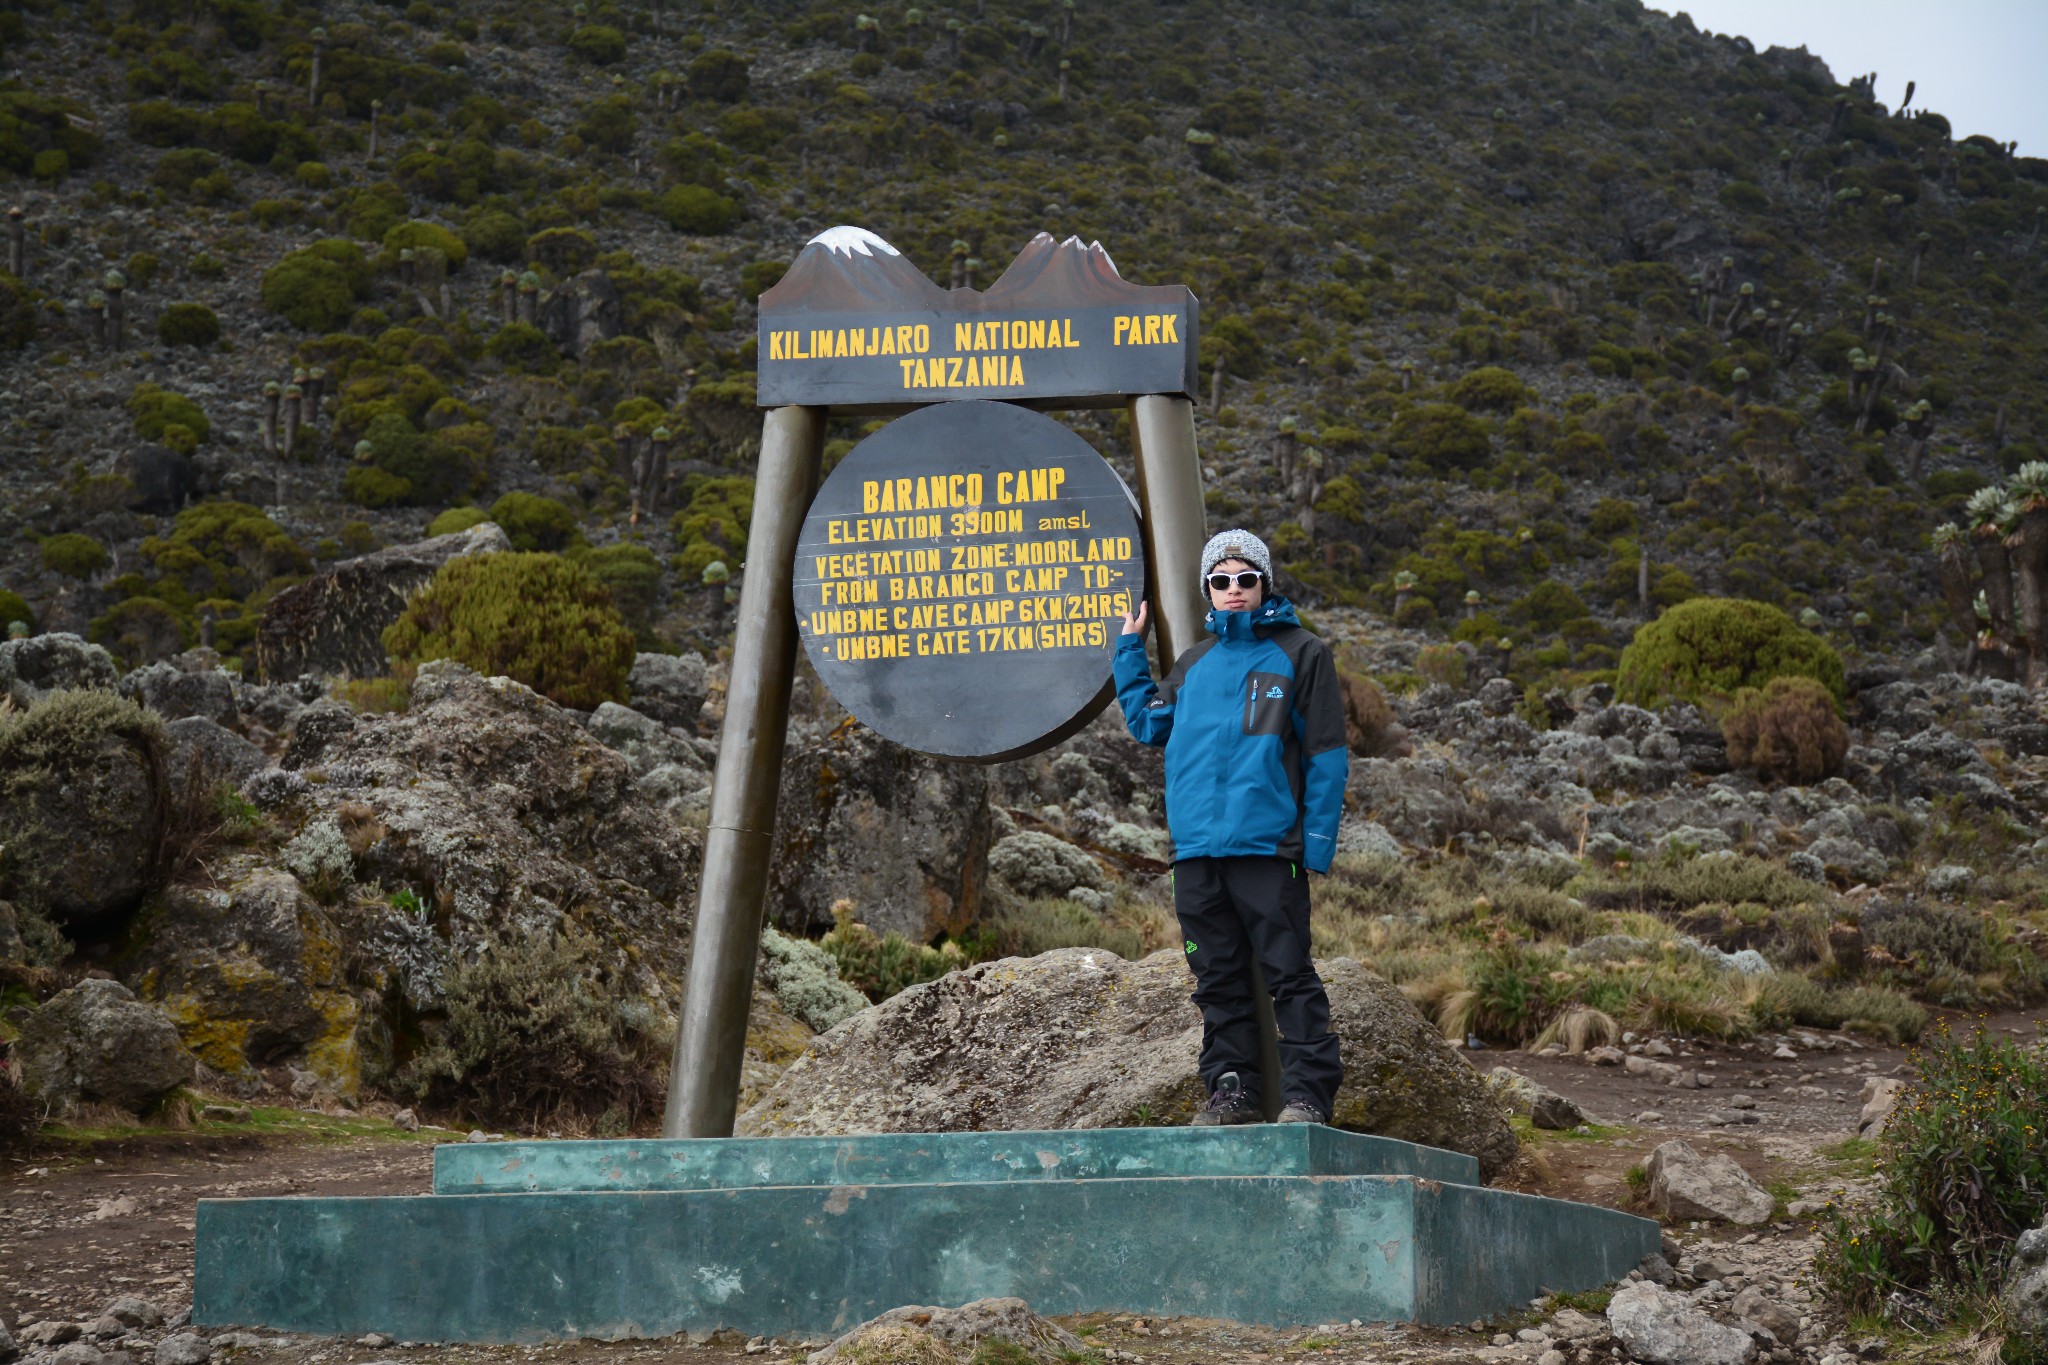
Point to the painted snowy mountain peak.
(849, 269)
(848, 240)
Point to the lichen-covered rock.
(669, 687)
(902, 836)
(1661, 1327)
(482, 815)
(1542, 1106)
(253, 975)
(97, 1042)
(41, 664)
(334, 622)
(81, 786)
(2026, 1281)
(1033, 863)
(173, 692)
(203, 751)
(1079, 1038)
(582, 312)
(1686, 1184)
(905, 1336)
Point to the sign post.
(960, 579)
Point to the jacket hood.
(1243, 625)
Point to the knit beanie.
(1237, 545)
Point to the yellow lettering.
(963, 335)
(1120, 331)
(1068, 325)
(1167, 329)
(921, 339)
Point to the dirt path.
(81, 1223)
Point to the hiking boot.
(1227, 1104)
(1299, 1110)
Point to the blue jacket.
(1253, 723)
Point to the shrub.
(759, 277)
(1786, 732)
(1441, 436)
(1031, 927)
(1490, 387)
(608, 124)
(806, 980)
(880, 965)
(533, 522)
(156, 410)
(523, 348)
(1441, 664)
(529, 1037)
(598, 44)
(712, 524)
(14, 608)
(1709, 648)
(187, 324)
(536, 618)
(717, 75)
(632, 575)
(65, 746)
(317, 287)
(1962, 1170)
(411, 466)
(75, 555)
(457, 519)
(1368, 720)
(139, 630)
(563, 250)
(425, 237)
(17, 313)
(696, 209)
(495, 235)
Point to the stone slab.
(1279, 1250)
(935, 1158)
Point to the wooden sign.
(855, 326)
(961, 579)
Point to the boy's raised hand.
(1135, 625)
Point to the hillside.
(1504, 293)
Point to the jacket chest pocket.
(1268, 703)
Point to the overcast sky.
(1977, 62)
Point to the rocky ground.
(83, 1223)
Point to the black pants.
(1232, 909)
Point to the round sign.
(962, 577)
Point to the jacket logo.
(1275, 692)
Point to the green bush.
(13, 607)
(533, 522)
(696, 209)
(457, 519)
(806, 980)
(1786, 732)
(632, 575)
(62, 743)
(187, 324)
(411, 467)
(563, 250)
(1441, 436)
(712, 524)
(74, 555)
(420, 236)
(758, 277)
(156, 410)
(1039, 926)
(598, 44)
(534, 617)
(1490, 387)
(495, 235)
(523, 348)
(317, 287)
(17, 313)
(718, 75)
(880, 965)
(1709, 648)
(45, 137)
(1962, 1170)
(529, 1036)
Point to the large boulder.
(902, 836)
(81, 788)
(97, 1042)
(252, 974)
(669, 687)
(334, 622)
(582, 312)
(1661, 1327)
(2026, 1281)
(41, 664)
(483, 816)
(174, 692)
(1079, 1038)
(917, 1334)
(162, 479)
(1686, 1184)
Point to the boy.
(1253, 723)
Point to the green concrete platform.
(926, 1159)
(764, 1254)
